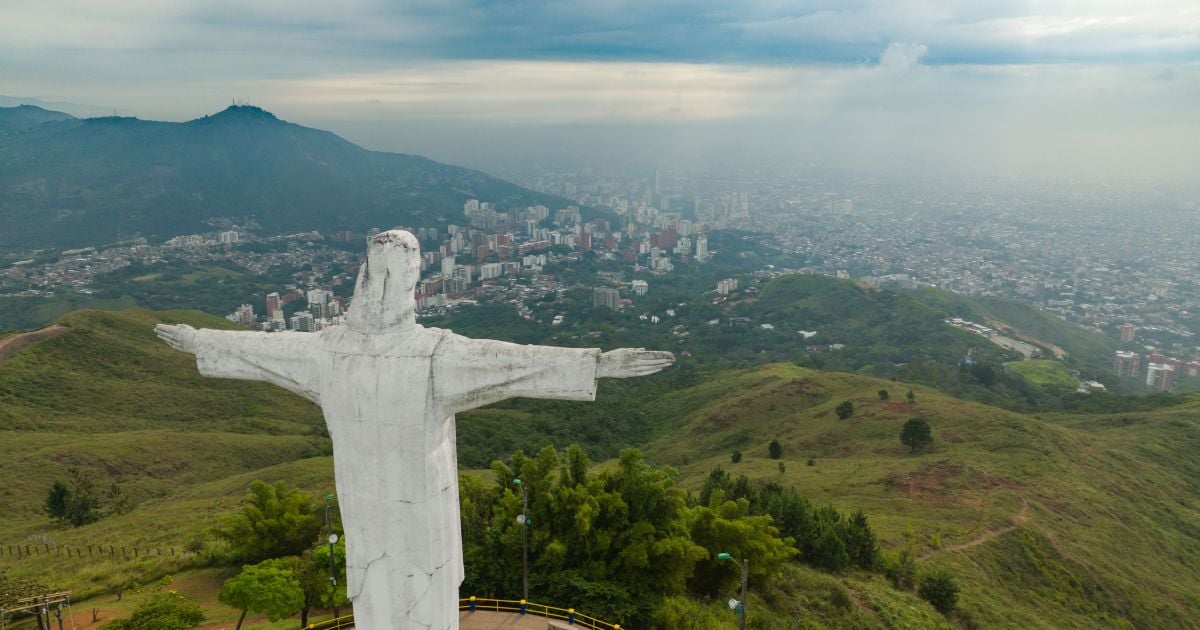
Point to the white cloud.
(902, 56)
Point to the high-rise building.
(448, 266)
(273, 305)
(1127, 364)
(303, 322)
(640, 287)
(1128, 332)
(605, 297)
(727, 286)
(702, 248)
(1160, 376)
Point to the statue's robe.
(389, 401)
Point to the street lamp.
(524, 521)
(734, 604)
(333, 538)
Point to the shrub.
(940, 589)
(844, 410)
(883, 394)
(735, 457)
(775, 450)
(165, 610)
(900, 568)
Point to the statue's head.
(383, 296)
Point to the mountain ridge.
(85, 181)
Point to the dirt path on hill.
(1017, 520)
(13, 343)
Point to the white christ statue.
(389, 390)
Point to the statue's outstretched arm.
(284, 359)
(631, 362)
(470, 373)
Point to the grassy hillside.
(1046, 373)
(1074, 522)
(112, 400)
(1086, 348)
(1053, 521)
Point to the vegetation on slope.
(1032, 515)
(89, 181)
(1084, 520)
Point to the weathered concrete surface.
(389, 390)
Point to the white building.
(640, 287)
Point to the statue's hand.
(179, 336)
(629, 362)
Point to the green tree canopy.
(916, 434)
(728, 527)
(775, 449)
(844, 410)
(268, 587)
(274, 522)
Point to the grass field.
(1052, 521)
(1044, 373)
(1069, 522)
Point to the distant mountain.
(86, 181)
(24, 117)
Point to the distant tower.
(1160, 376)
(272, 305)
(702, 248)
(604, 297)
(1128, 331)
(1127, 364)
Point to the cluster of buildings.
(1160, 371)
(1099, 255)
(323, 309)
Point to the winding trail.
(12, 344)
(1017, 520)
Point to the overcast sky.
(1060, 87)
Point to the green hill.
(1085, 348)
(1054, 521)
(86, 182)
(25, 117)
(1072, 522)
(110, 399)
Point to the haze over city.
(1097, 90)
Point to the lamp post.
(524, 521)
(739, 605)
(333, 538)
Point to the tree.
(916, 434)
(883, 394)
(844, 410)
(735, 457)
(56, 501)
(911, 396)
(267, 587)
(775, 450)
(80, 504)
(860, 541)
(940, 589)
(164, 610)
(274, 522)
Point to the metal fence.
(521, 607)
